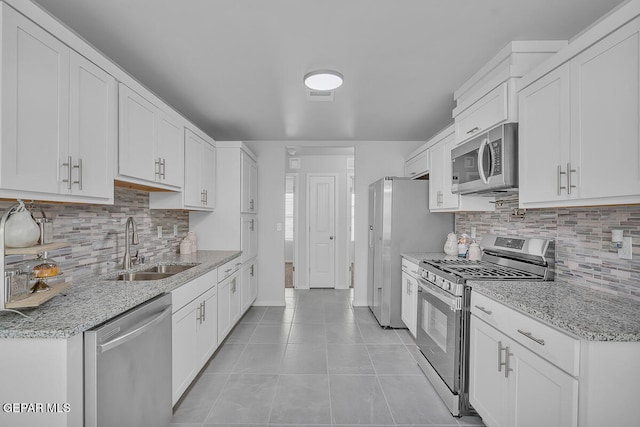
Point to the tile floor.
(317, 362)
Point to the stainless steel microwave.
(487, 164)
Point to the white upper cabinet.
(58, 118)
(150, 144)
(92, 135)
(493, 108)
(441, 199)
(544, 138)
(417, 164)
(200, 172)
(579, 127)
(169, 150)
(249, 184)
(489, 97)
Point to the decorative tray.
(38, 298)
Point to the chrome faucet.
(126, 261)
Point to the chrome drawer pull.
(531, 337)
(484, 310)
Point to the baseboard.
(268, 303)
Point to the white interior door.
(321, 214)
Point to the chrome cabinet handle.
(500, 362)
(251, 270)
(560, 187)
(475, 129)
(531, 337)
(199, 313)
(507, 364)
(569, 172)
(164, 169)
(69, 166)
(251, 204)
(228, 270)
(252, 225)
(79, 167)
(204, 311)
(157, 168)
(330, 237)
(484, 310)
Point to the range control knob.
(446, 285)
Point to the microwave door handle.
(483, 144)
(492, 156)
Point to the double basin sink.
(154, 273)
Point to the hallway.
(317, 361)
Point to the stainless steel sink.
(169, 268)
(142, 275)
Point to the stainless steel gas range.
(443, 306)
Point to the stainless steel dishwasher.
(127, 368)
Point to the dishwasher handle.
(109, 345)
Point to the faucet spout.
(126, 261)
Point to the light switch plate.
(626, 251)
(175, 230)
(159, 232)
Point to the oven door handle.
(454, 303)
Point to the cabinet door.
(183, 348)
(418, 165)
(485, 113)
(249, 178)
(209, 174)
(92, 136)
(169, 151)
(254, 282)
(35, 106)
(544, 138)
(487, 385)
(138, 132)
(440, 195)
(539, 393)
(248, 237)
(605, 93)
(245, 293)
(207, 326)
(408, 311)
(193, 195)
(235, 299)
(224, 309)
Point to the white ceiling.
(235, 67)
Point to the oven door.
(440, 317)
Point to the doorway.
(318, 244)
(321, 240)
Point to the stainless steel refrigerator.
(399, 221)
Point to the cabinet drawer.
(228, 268)
(417, 165)
(485, 113)
(193, 289)
(555, 346)
(492, 312)
(410, 267)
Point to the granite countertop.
(585, 313)
(92, 301)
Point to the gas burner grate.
(471, 270)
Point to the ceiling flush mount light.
(323, 80)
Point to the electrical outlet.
(159, 232)
(625, 252)
(175, 230)
(473, 232)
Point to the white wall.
(374, 160)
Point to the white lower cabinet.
(249, 284)
(510, 385)
(194, 330)
(409, 300)
(229, 300)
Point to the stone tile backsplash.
(583, 241)
(96, 232)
